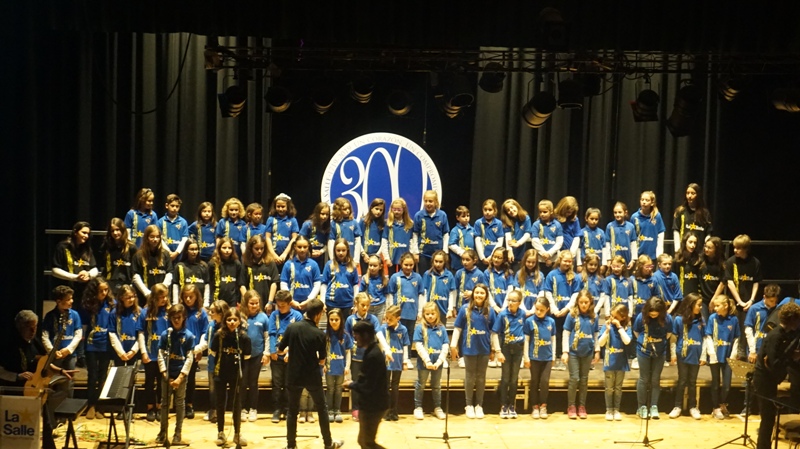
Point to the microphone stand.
(237, 393)
(646, 441)
(446, 437)
(748, 368)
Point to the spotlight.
(493, 76)
(361, 89)
(537, 111)
(323, 99)
(687, 106)
(453, 93)
(731, 87)
(278, 99)
(786, 100)
(645, 108)
(551, 29)
(591, 83)
(399, 102)
(231, 102)
(570, 94)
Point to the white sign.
(20, 418)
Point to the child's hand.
(673, 361)
(565, 358)
(405, 366)
(751, 358)
(265, 359)
(579, 269)
(346, 373)
(145, 357)
(389, 358)
(500, 357)
(596, 357)
(430, 366)
(528, 364)
(454, 353)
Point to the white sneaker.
(479, 412)
(244, 415)
(470, 411)
(609, 415)
(675, 413)
(695, 412)
(409, 364)
(492, 364)
(461, 362)
(310, 417)
(439, 413)
(535, 412)
(543, 411)
(253, 416)
(617, 415)
(717, 413)
(302, 418)
(666, 364)
(635, 364)
(418, 413)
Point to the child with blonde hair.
(430, 340)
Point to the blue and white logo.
(380, 165)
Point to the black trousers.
(318, 395)
(765, 388)
(368, 422)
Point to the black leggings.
(540, 381)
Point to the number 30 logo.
(380, 165)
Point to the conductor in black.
(307, 354)
(779, 352)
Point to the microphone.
(169, 339)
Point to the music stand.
(743, 370)
(445, 436)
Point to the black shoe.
(176, 439)
(81, 363)
(335, 444)
(189, 412)
(213, 418)
(276, 416)
(120, 416)
(151, 415)
(161, 438)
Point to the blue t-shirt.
(205, 234)
(348, 230)
(615, 357)
(689, 347)
(316, 238)
(520, 229)
(571, 230)
(547, 233)
(173, 231)
(437, 288)
(594, 284)
(582, 332)
(647, 232)
(431, 230)
(233, 230)
(257, 327)
(592, 241)
(541, 332)
(530, 291)
(652, 336)
(466, 281)
(406, 291)
(619, 237)
(667, 286)
(618, 289)
(642, 291)
(70, 324)
(252, 230)
(152, 330)
(490, 233)
(136, 221)
(124, 325)
(280, 230)
(300, 276)
(179, 344)
(341, 282)
(397, 338)
(756, 318)
(337, 351)
(476, 330)
(723, 331)
(498, 285)
(433, 339)
(358, 354)
(398, 241)
(509, 327)
(196, 322)
(556, 284)
(278, 322)
(464, 238)
(375, 289)
(371, 236)
(97, 326)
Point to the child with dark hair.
(231, 348)
(175, 359)
(653, 329)
(97, 317)
(689, 329)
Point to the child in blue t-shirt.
(397, 234)
(617, 287)
(462, 238)
(375, 283)
(204, 230)
(578, 351)
(721, 336)
(279, 320)
(440, 285)
(508, 339)
(258, 332)
(406, 291)
(547, 236)
(231, 224)
(475, 320)
(528, 280)
(281, 227)
(372, 225)
(316, 229)
(649, 226)
(340, 280)
(431, 231)
(666, 283)
(615, 338)
(300, 275)
(174, 228)
(397, 360)
(253, 217)
(653, 330)
(466, 279)
(488, 233)
(498, 277)
(689, 329)
(362, 301)
(592, 237)
(344, 226)
(152, 323)
(538, 354)
(517, 227)
(141, 215)
(594, 282)
(122, 329)
(621, 236)
(175, 359)
(430, 340)
(197, 324)
(561, 287)
(337, 363)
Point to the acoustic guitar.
(40, 381)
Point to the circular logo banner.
(380, 165)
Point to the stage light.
(399, 102)
(551, 30)
(730, 87)
(453, 93)
(786, 100)
(231, 102)
(278, 99)
(685, 111)
(570, 94)
(323, 99)
(493, 76)
(645, 108)
(591, 83)
(539, 109)
(361, 88)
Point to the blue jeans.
(510, 373)
(613, 388)
(475, 377)
(649, 373)
(333, 392)
(578, 378)
(687, 378)
(436, 386)
(719, 390)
